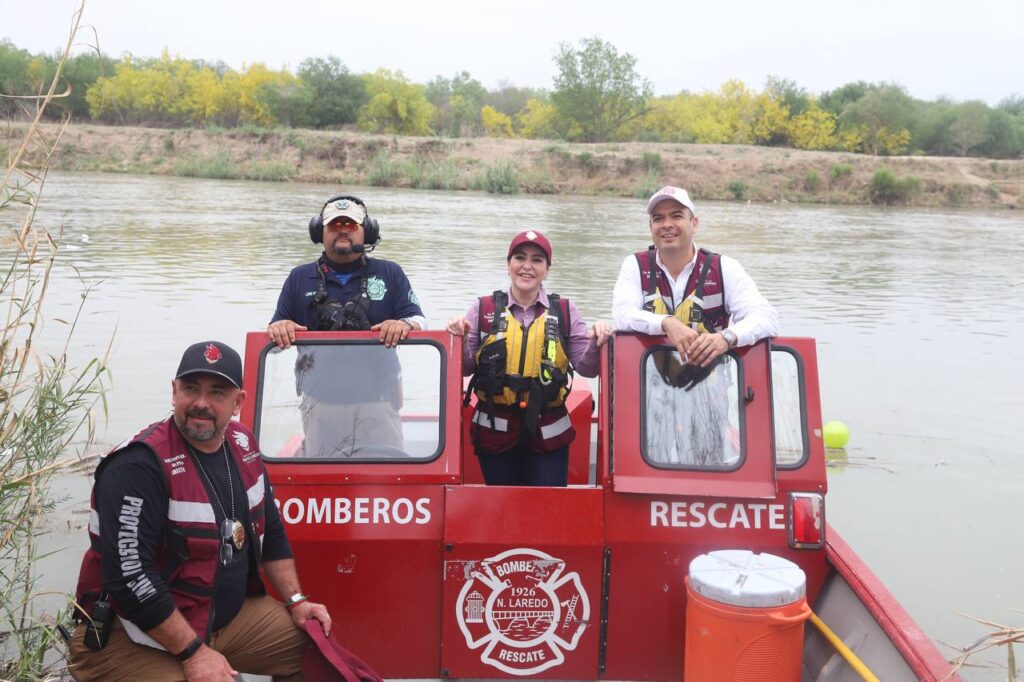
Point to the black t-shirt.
(131, 500)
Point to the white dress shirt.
(751, 316)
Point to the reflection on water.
(915, 312)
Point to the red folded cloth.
(329, 661)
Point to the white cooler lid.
(742, 578)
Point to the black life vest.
(334, 316)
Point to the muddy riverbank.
(712, 172)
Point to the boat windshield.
(699, 428)
(351, 401)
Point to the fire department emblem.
(524, 610)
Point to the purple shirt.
(584, 353)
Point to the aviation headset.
(371, 228)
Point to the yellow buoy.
(836, 435)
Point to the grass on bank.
(429, 172)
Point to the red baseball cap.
(531, 237)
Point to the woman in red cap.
(521, 346)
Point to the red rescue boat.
(428, 573)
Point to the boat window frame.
(802, 390)
(302, 461)
(740, 378)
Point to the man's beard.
(341, 247)
(197, 434)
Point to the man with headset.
(346, 406)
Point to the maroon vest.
(189, 554)
(654, 282)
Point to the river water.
(916, 312)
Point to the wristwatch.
(296, 598)
(730, 338)
(190, 649)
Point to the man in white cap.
(705, 303)
(345, 290)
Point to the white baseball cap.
(674, 193)
(344, 207)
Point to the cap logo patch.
(531, 235)
(343, 204)
(212, 353)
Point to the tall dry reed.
(47, 405)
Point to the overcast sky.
(971, 49)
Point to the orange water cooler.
(745, 618)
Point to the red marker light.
(806, 521)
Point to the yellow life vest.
(535, 357)
(683, 312)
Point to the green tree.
(835, 101)
(1013, 105)
(787, 92)
(395, 106)
(289, 102)
(14, 76)
(931, 128)
(337, 94)
(969, 129)
(80, 73)
(598, 89)
(885, 113)
(457, 104)
(1006, 136)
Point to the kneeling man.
(182, 519)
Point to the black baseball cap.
(211, 357)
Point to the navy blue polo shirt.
(391, 295)
(370, 374)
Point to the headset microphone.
(357, 248)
